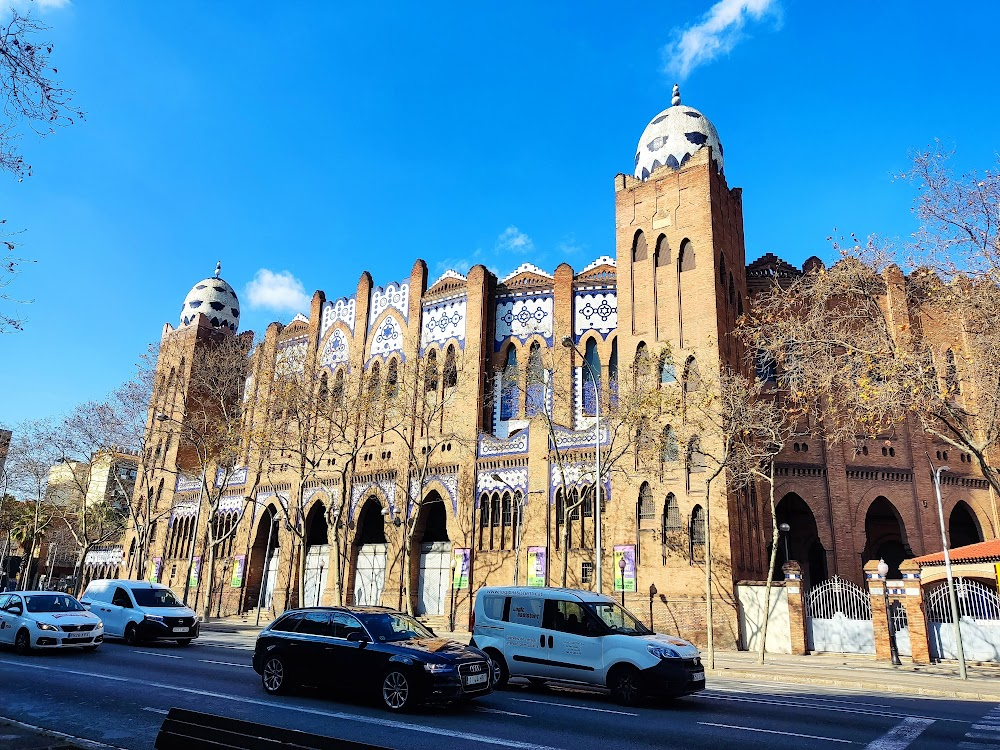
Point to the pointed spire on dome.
(218, 269)
(676, 98)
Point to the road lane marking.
(802, 704)
(795, 695)
(153, 653)
(570, 705)
(775, 731)
(82, 740)
(498, 711)
(901, 735)
(987, 727)
(388, 723)
(226, 663)
(155, 710)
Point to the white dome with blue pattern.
(673, 136)
(216, 300)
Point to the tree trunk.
(407, 570)
(338, 589)
(565, 550)
(301, 577)
(206, 611)
(770, 572)
(77, 584)
(709, 621)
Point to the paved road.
(119, 695)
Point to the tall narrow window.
(951, 374)
(374, 381)
(484, 521)
(639, 249)
(431, 372)
(766, 369)
(392, 379)
(505, 519)
(613, 373)
(560, 516)
(324, 387)
(671, 515)
(510, 393)
(450, 368)
(641, 364)
(669, 447)
(646, 511)
(534, 382)
(338, 387)
(692, 380)
(697, 534)
(696, 463)
(591, 378)
(668, 373)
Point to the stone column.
(916, 615)
(796, 607)
(880, 622)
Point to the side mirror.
(16, 610)
(356, 637)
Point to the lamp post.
(621, 567)
(883, 571)
(568, 343)
(652, 594)
(161, 417)
(962, 673)
(784, 528)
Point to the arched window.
(641, 363)
(685, 258)
(375, 381)
(534, 382)
(560, 516)
(484, 520)
(697, 534)
(338, 387)
(692, 378)
(951, 374)
(669, 447)
(671, 515)
(639, 249)
(324, 387)
(450, 368)
(591, 378)
(505, 519)
(645, 510)
(392, 379)
(766, 368)
(510, 393)
(662, 256)
(695, 463)
(668, 373)
(431, 372)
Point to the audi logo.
(476, 668)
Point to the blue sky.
(321, 139)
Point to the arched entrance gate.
(839, 618)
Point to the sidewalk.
(17, 736)
(831, 670)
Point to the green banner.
(239, 563)
(536, 566)
(460, 568)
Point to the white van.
(140, 611)
(568, 635)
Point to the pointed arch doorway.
(371, 547)
(317, 555)
(434, 578)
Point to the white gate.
(369, 580)
(839, 615)
(979, 621)
(435, 577)
(317, 563)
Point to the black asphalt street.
(119, 695)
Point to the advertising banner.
(625, 579)
(154, 569)
(239, 563)
(536, 566)
(195, 571)
(460, 567)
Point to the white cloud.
(716, 34)
(42, 5)
(277, 291)
(513, 240)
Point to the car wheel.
(22, 642)
(397, 694)
(625, 685)
(500, 672)
(131, 634)
(274, 678)
(184, 641)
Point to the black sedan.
(386, 654)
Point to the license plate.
(476, 679)
(77, 635)
(180, 630)
(700, 677)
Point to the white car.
(47, 619)
(140, 611)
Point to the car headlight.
(154, 618)
(439, 668)
(100, 624)
(46, 626)
(663, 652)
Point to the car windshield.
(617, 618)
(392, 627)
(155, 598)
(52, 603)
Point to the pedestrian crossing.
(985, 733)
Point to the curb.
(739, 674)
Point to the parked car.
(580, 637)
(140, 611)
(374, 650)
(47, 619)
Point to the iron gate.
(979, 621)
(839, 615)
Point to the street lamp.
(951, 581)
(883, 571)
(519, 499)
(161, 417)
(652, 594)
(784, 528)
(621, 567)
(568, 343)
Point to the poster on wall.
(624, 578)
(536, 566)
(195, 570)
(154, 569)
(239, 562)
(460, 568)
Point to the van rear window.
(526, 611)
(493, 607)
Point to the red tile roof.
(981, 552)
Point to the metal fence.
(835, 595)
(975, 599)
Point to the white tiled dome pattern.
(673, 136)
(214, 298)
